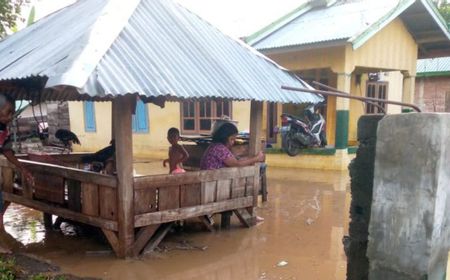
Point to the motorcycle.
(298, 133)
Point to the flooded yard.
(305, 219)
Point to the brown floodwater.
(305, 219)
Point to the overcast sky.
(235, 17)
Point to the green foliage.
(444, 9)
(10, 14)
(7, 270)
(31, 16)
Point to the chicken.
(102, 160)
(67, 137)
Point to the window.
(89, 116)
(140, 119)
(198, 116)
(376, 90)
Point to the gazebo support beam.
(122, 109)
(256, 113)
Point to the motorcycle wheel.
(292, 148)
(323, 139)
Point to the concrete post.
(409, 236)
(361, 173)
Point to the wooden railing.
(165, 198)
(71, 193)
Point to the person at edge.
(7, 109)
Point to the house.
(362, 47)
(433, 84)
(167, 55)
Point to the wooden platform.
(158, 200)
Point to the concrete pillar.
(409, 236)
(342, 111)
(409, 82)
(361, 173)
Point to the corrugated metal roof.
(441, 64)
(154, 48)
(342, 21)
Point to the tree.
(10, 14)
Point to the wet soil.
(306, 218)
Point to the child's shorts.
(178, 171)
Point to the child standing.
(177, 154)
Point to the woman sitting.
(218, 154)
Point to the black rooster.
(67, 137)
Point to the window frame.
(90, 124)
(140, 120)
(376, 93)
(197, 117)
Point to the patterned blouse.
(215, 156)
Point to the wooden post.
(122, 108)
(256, 111)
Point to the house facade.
(362, 47)
(433, 84)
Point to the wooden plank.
(191, 212)
(65, 213)
(223, 190)
(7, 179)
(168, 198)
(208, 222)
(160, 234)
(142, 238)
(74, 195)
(111, 236)
(71, 173)
(208, 194)
(256, 184)
(122, 109)
(107, 203)
(145, 201)
(190, 195)
(27, 189)
(249, 183)
(256, 111)
(245, 217)
(90, 199)
(238, 187)
(49, 187)
(193, 177)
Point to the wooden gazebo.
(118, 51)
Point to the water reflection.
(305, 220)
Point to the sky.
(236, 18)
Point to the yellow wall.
(317, 58)
(151, 144)
(241, 114)
(392, 48)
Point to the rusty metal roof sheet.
(97, 49)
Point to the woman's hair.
(223, 132)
